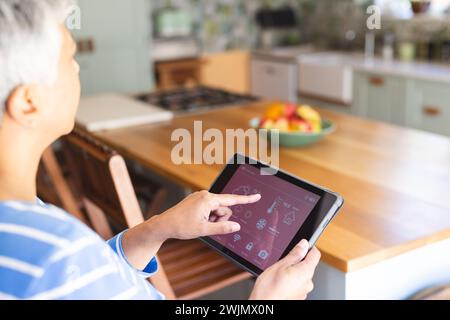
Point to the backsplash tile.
(229, 24)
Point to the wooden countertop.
(395, 181)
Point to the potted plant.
(420, 6)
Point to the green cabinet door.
(121, 32)
(379, 97)
(429, 107)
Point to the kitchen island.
(392, 237)
(412, 94)
(410, 69)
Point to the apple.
(301, 125)
(266, 124)
(290, 110)
(309, 114)
(262, 121)
(317, 127)
(282, 124)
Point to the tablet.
(290, 209)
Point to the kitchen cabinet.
(429, 107)
(415, 103)
(274, 78)
(227, 70)
(117, 57)
(380, 97)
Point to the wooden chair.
(55, 185)
(188, 269)
(174, 74)
(53, 188)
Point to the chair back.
(100, 174)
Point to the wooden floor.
(192, 265)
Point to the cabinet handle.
(432, 111)
(376, 81)
(86, 45)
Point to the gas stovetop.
(194, 99)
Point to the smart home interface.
(268, 226)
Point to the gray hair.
(30, 43)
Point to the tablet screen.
(268, 226)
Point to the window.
(401, 9)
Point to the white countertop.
(289, 54)
(357, 61)
(417, 70)
(413, 69)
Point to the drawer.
(274, 80)
(380, 97)
(430, 109)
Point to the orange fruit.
(274, 111)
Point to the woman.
(44, 252)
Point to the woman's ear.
(20, 107)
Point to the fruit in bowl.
(291, 118)
(298, 125)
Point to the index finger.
(229, 200)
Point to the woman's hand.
(200, 214)
(290, 278)
(203, 214)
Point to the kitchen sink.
(326, 75)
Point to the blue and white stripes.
(47, 254)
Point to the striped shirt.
(45, 253)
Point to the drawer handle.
(86, 45)
(432, 111)
(376, 81)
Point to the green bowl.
(300, 139)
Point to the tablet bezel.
(325, 210)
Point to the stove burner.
(195, 99)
